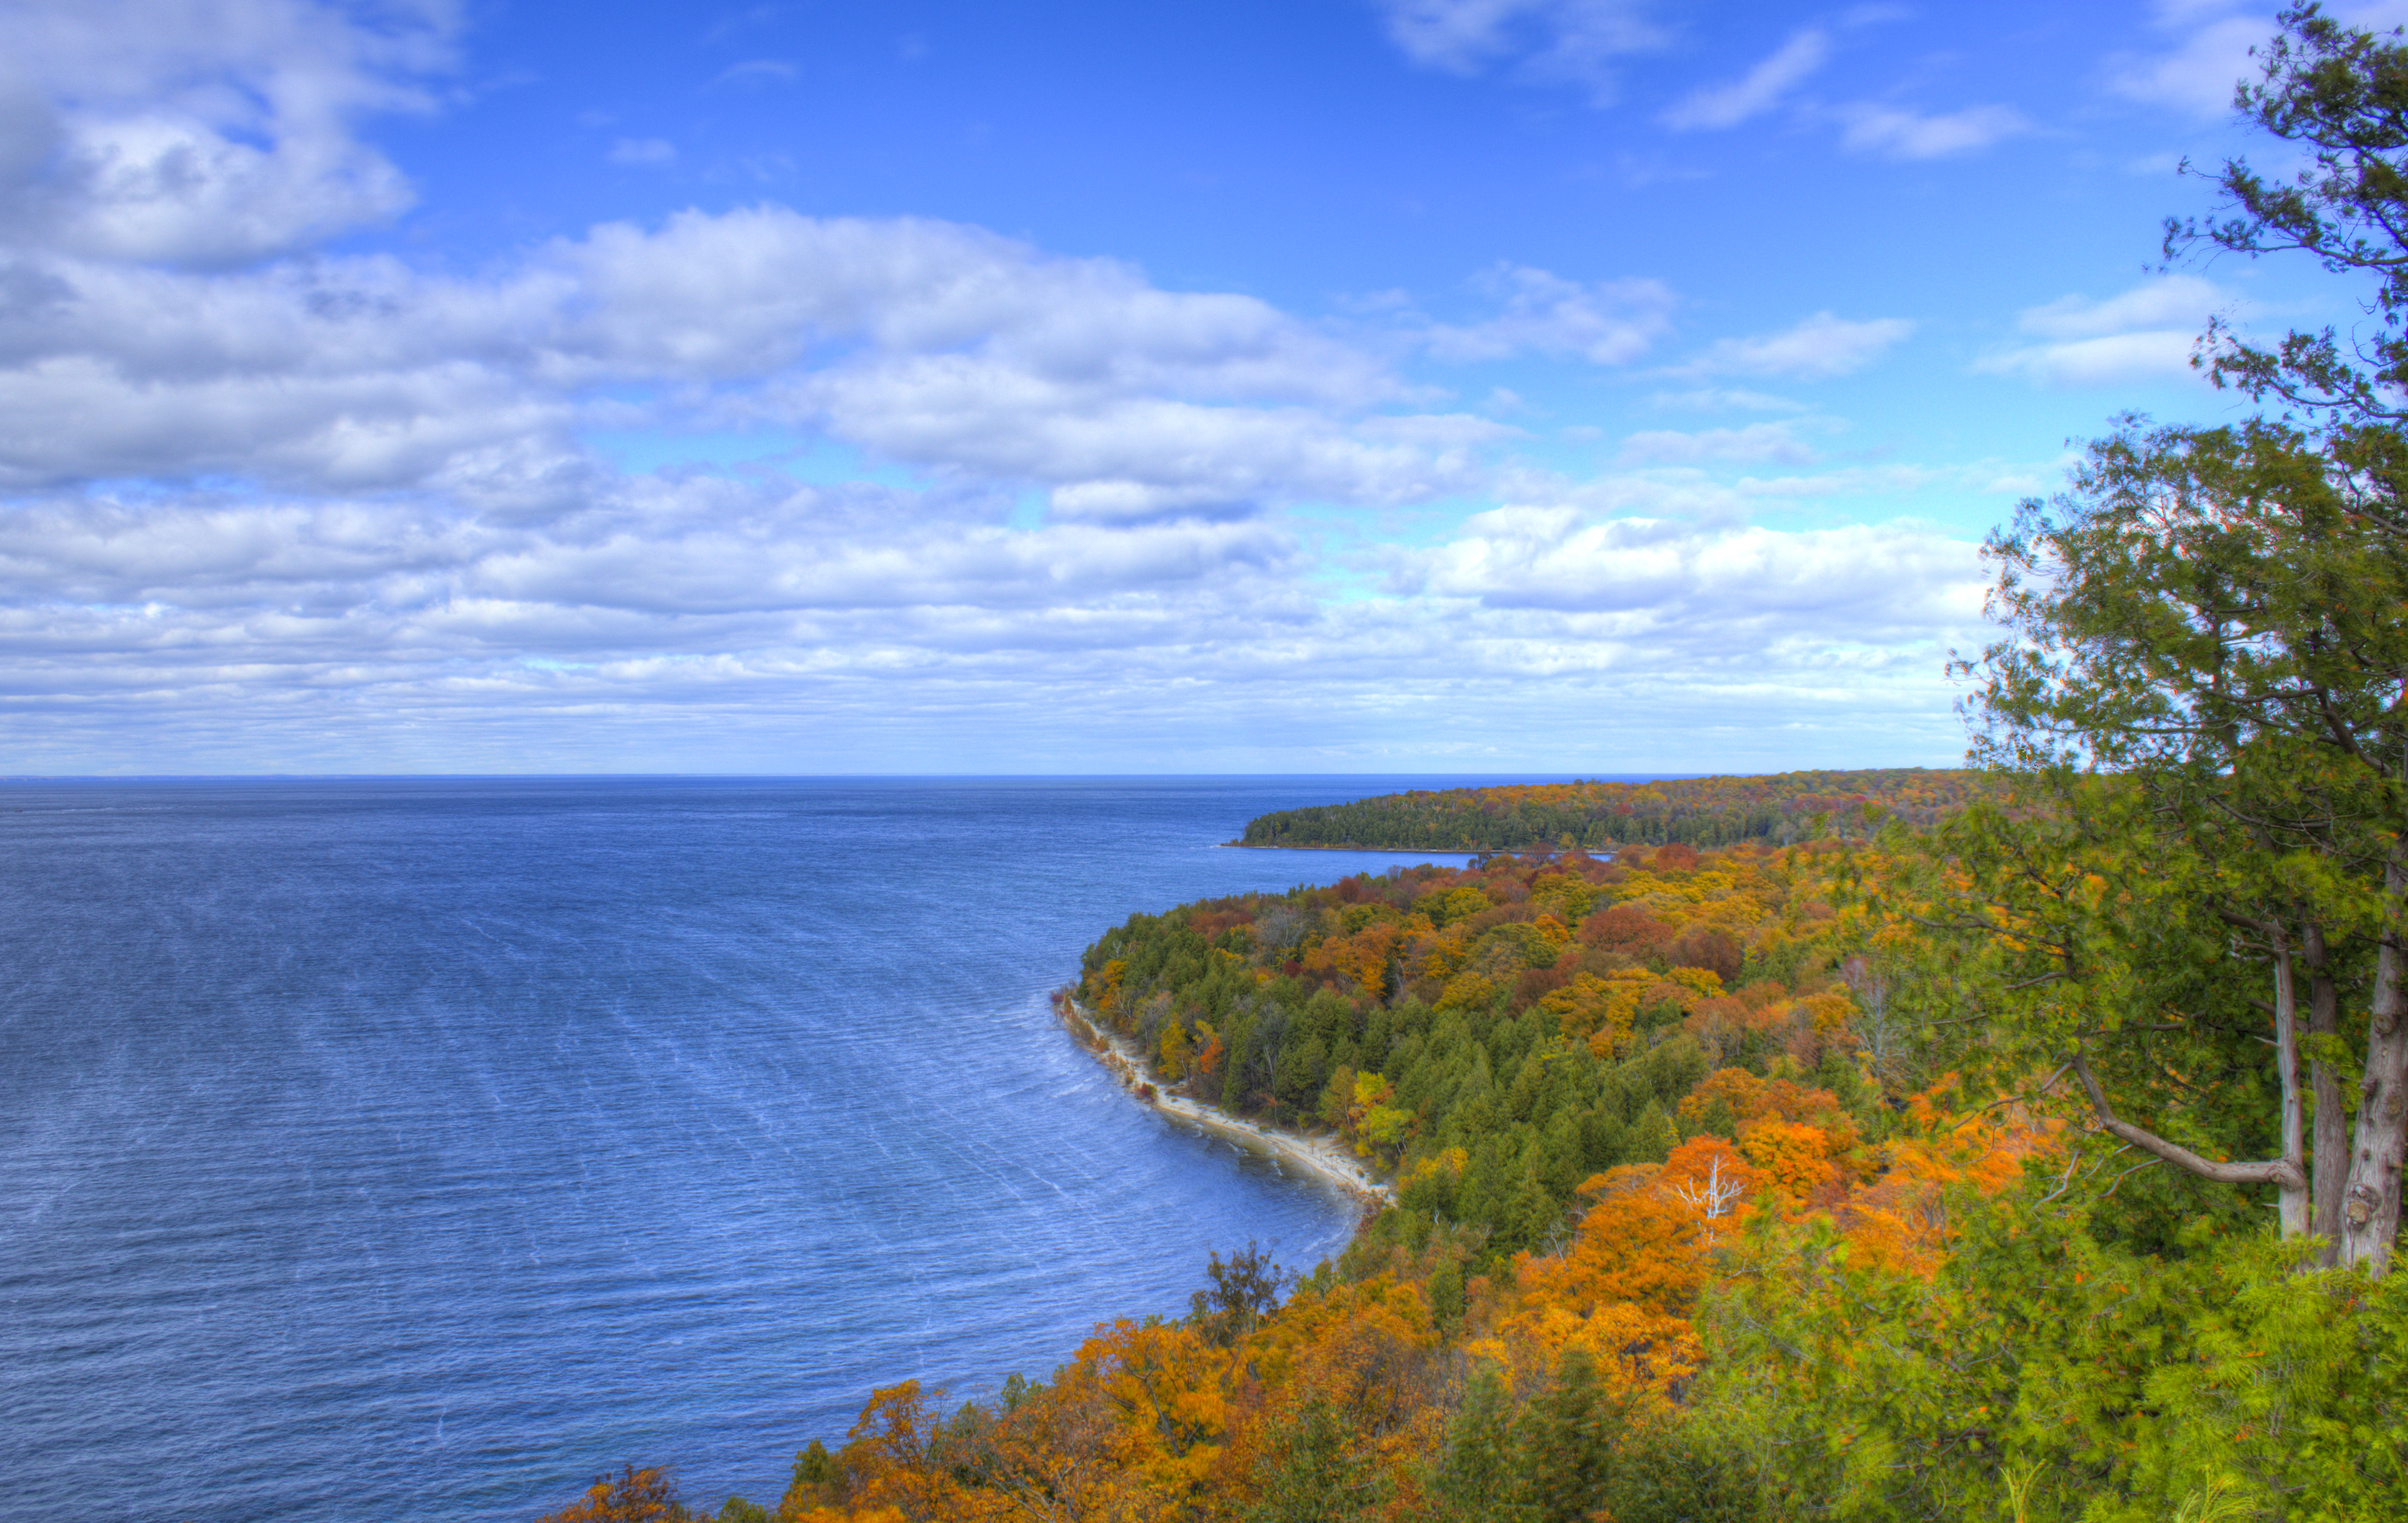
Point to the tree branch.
(2273, 1171)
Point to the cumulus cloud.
(337, 376)
(930, 343)
(1821, 346)
(749, 292)
(649, 593)
(202, 130)
(659, 620)
(267, 506)
(641, 566)
(1868, 581)
(1894, 133)
(1757, 91)
(953, 348)
(1556, 41)
(985, 419)
(2198, 74)
(1610, 322)
(2143, 334)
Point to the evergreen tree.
(1664, 1474)
(1318, 1476)
(1652, 1139)
(1567, 1442)
(1480, 1477)
(1530, 1216)
(1445, 1291)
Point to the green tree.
(1445, 1290)
(1300, 1074)
(1651, 1137)
(2338, 98)
(1480, 1477)
(1246, 1288)
(1666, 1473)
(2340, 94)
(1568, 1442)
(1318, 1475)
(2042, 1374)
(2210, 619)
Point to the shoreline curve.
(1376, 851)
(1325, 1158)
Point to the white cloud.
(1753, 445)
(2180, 300)
(1857, 583)
(667, 621)
(267, 505)
(930, 343)
(988, 419)
(643, 152)
(758, 71)
(1821, 346)
(2200, 75)
(2160, 355)
(1757, 90)
(1557, 41)
(2143, 334)
(948, 348)
(752, 290)
(1725, 398)
(336, 374)
(2211, 54)
(1895, 133)
(202, 130)
(1610, 322)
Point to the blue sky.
(1339, 385)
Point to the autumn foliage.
(1685, 1228)
(1593, 1081)
(1499, 1034)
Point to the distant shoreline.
(1323, 1157)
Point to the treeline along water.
(1602, 813)
(419, 1149)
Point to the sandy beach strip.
(1327, 1157)
(1423, 852)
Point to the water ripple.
(458, 1139)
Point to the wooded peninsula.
(1687, 811)
(2022, 1142)
(1729, 1187)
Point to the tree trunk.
(2369, 1213)
(2292, 1192)
(2330, 1144)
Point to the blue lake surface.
(421, 1148)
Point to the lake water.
(423, 1148)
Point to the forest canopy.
(1694, 1220)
